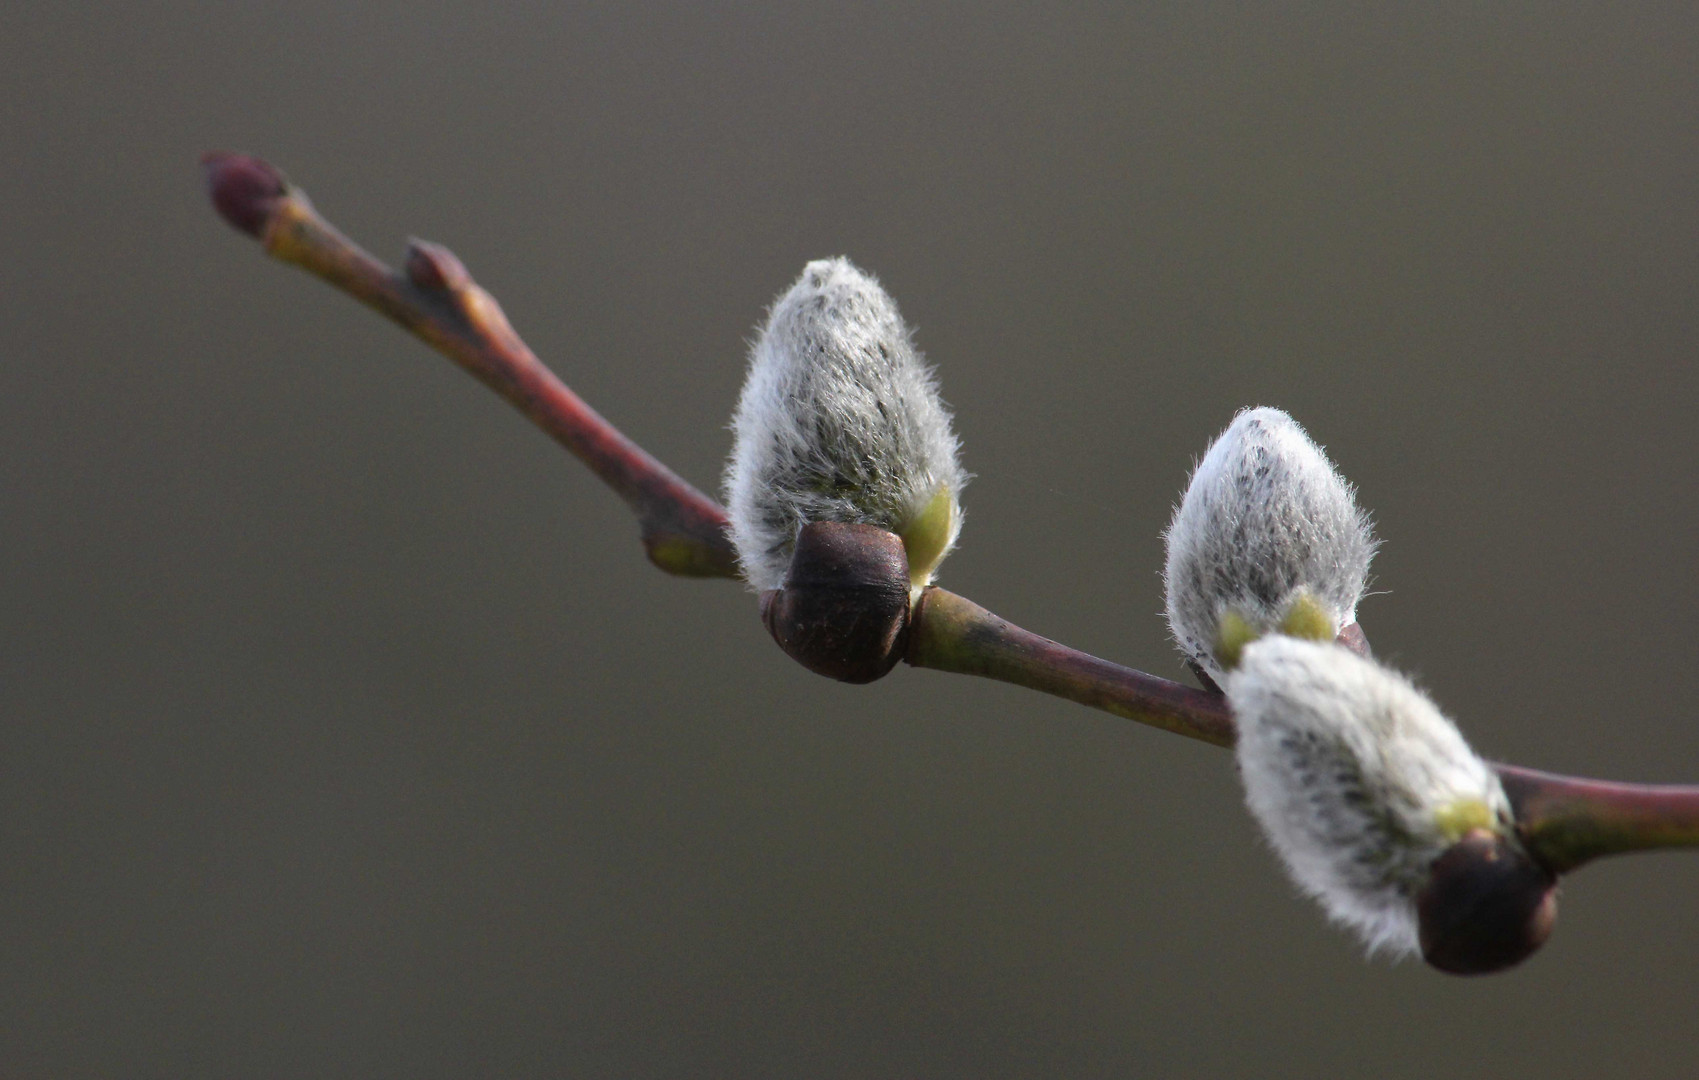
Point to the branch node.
(434, 268)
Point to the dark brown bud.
(844, 607)
(1487, 906)
(434, 268)
(245, 190)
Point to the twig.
(1568, 821)
(952, 633)
(1564, 821)
(436, 300)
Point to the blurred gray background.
(344, 730)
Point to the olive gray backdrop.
(344, 730)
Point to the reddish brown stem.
(683, 529)
(952, 633)
(1565, 821)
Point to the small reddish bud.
(434, 268)
(843, 609)
(1487, 906)
(245, 190)
(1353, 638)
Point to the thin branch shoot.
(1564, 821)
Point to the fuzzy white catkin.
(839, 420)
(1358, 781)
(1265, 518)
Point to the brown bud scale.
(843, 610)
(1487, 906)
(1353, 638)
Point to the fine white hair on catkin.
(1265, 518)
(1358, 780)
(839, 420)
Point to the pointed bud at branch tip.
(840, 421)
(1267, 537)
(1364, 789)
(245, 190)
(434, 268)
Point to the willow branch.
(436, 300)
(952, 633)
(1565, 821)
